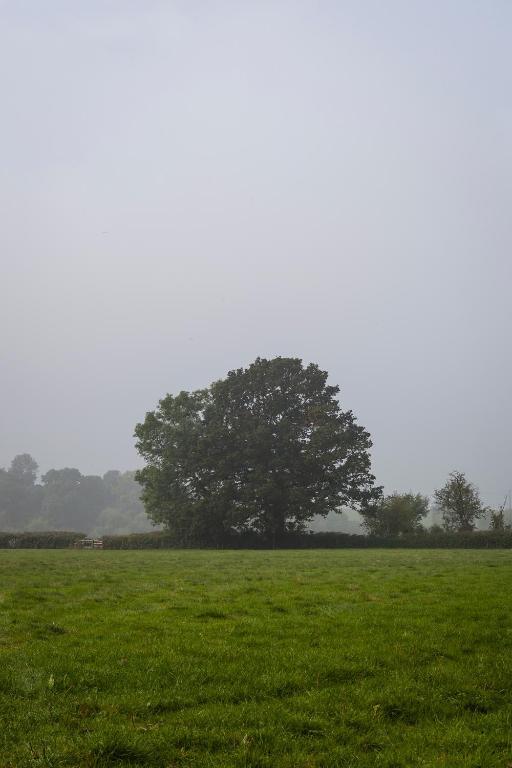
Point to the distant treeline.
(65, 500)
(110, 506)
(330, 540)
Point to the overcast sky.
(187, 185)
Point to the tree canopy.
(459, 502)
(396, 514)
(20, 496)
(265, 449)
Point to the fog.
(188, 185)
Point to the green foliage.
(436, 539)
(396, 515)
(265, 450)
(255, 659)
(39, 540)
(24, 469)
(436, 530)
(71, 499)
(497, 519)
(20, 497)
(66, 499)
(459, 502)
(125, 512)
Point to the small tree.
(497, 520)
(395, 515)
(459, 502)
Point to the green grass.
(302, 659)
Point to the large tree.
(459, 502)
(396, 514)
(265, 449)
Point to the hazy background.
(187, 185)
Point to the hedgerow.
(39, 540)
(321, 540)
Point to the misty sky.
(187, 185)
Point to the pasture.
(246, 659)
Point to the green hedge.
(438, 540)
(39, 540)
(326, 540)
(151, 540)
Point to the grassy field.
(303, 659)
